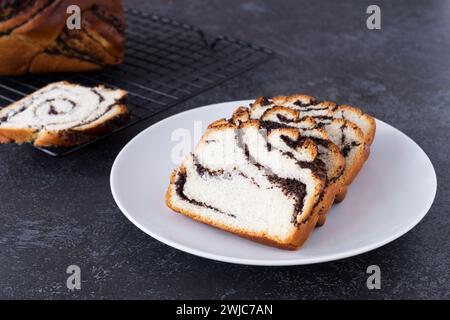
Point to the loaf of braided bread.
(34, 36)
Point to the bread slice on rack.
(348, 127)
(328, 153)
(255, 179)
(63, 114)
(35, 36)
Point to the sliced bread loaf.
(253, 178)
(63, 114)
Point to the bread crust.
(44, 62)
(340, 195)
(327, 201)
(20, 135)
(241, 114)
(369, 135)
(360, 156)
(12, 63)
(27, 37)
(304, 98)
(4, 140)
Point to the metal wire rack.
(166, 63)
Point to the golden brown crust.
(35, 39)
(327, 201)
(249, 123)
(309, 206)
(241, 114)
(11, 62)
(290, 114)
(43, 63)
(17, 135)
(332, 189)
(292, 98)
(4, 140)
(328, 104)
(336, 175)
(292, 133)
(370, 134)
(360, 157)
(67, 138)
(340, 195)
(221, 123)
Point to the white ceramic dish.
(393, 192)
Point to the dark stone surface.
(57, 212)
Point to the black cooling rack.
(166, 63)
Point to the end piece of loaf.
(63, 114)
(34, 37)
(253, 179)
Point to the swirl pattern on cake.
(63, 114)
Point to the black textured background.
(57, 212)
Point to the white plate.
(392, 193)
